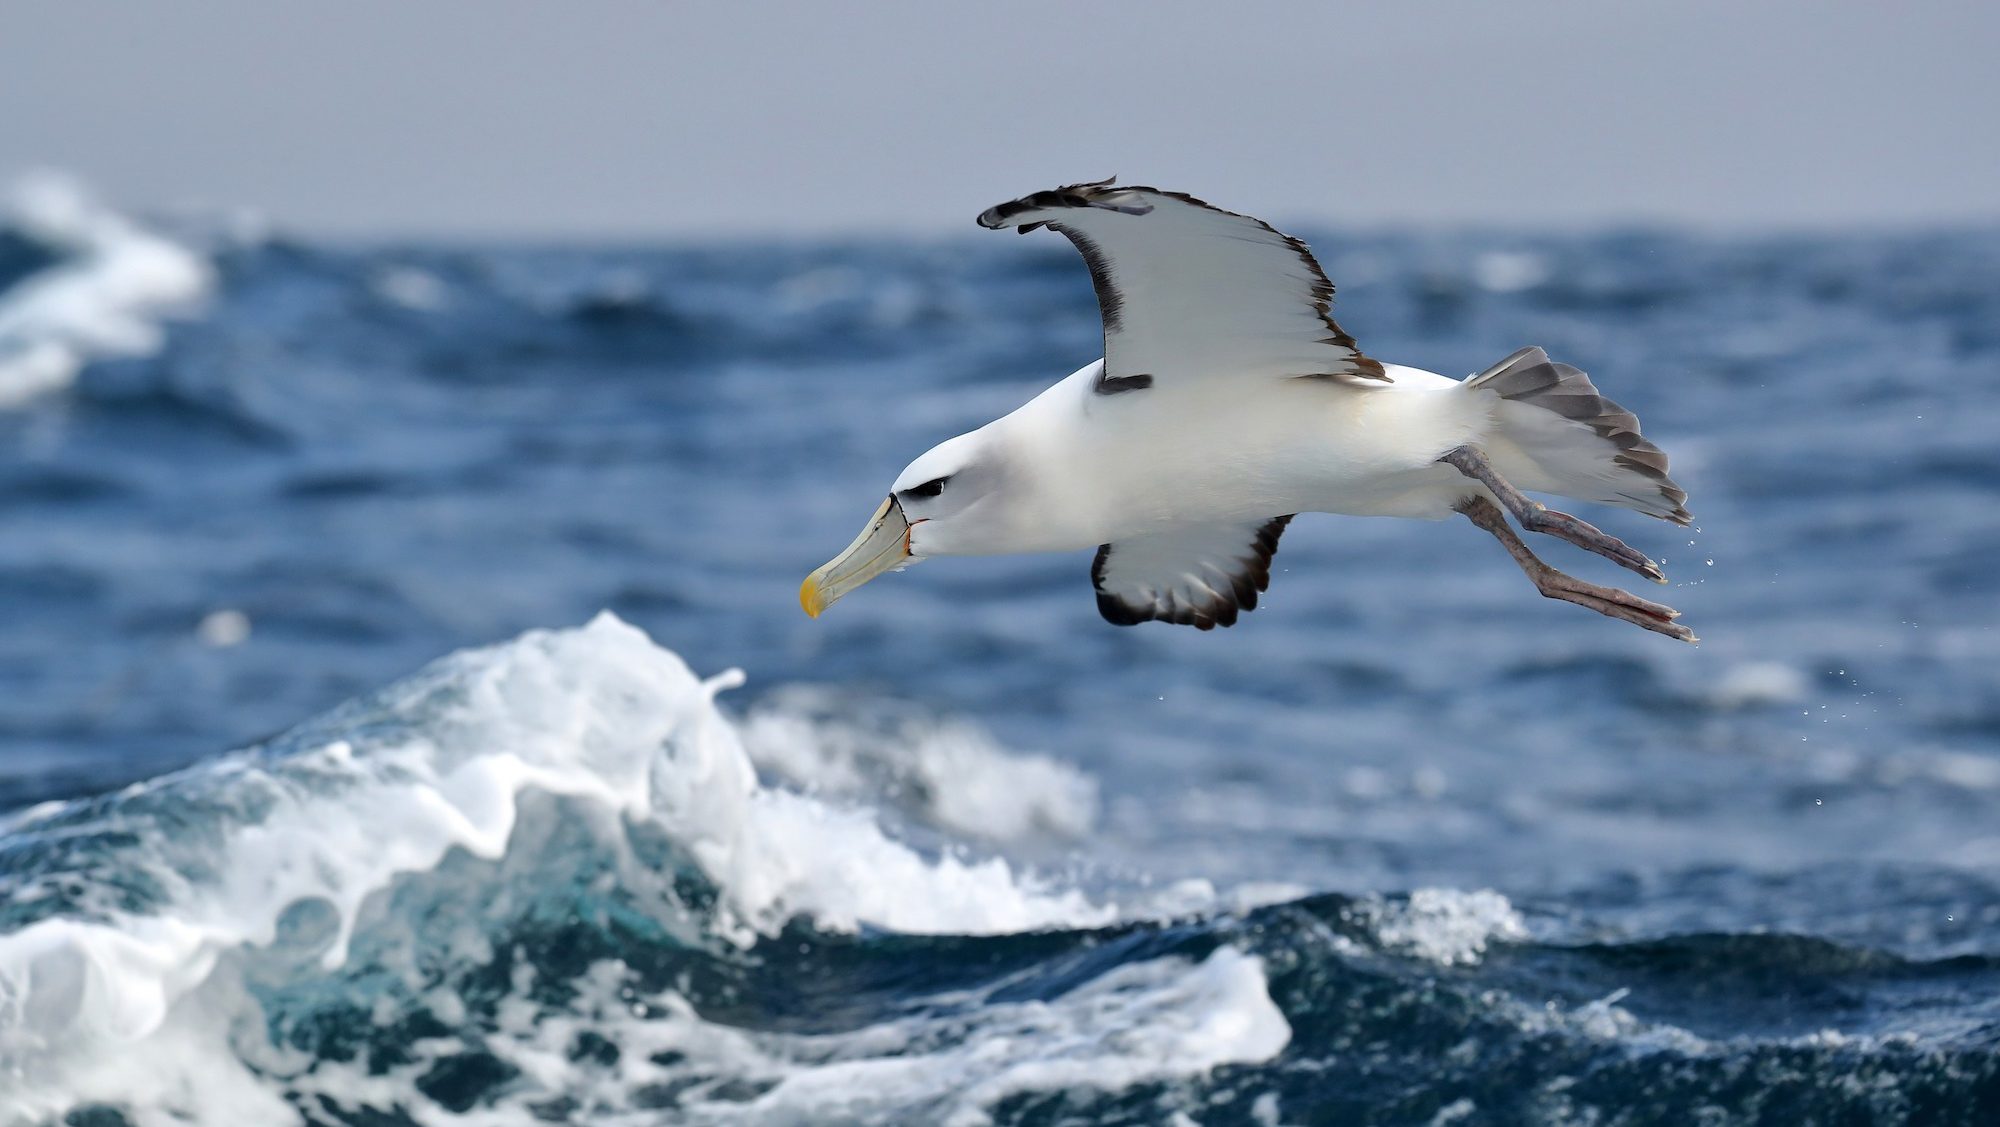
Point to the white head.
(956, 494)
(999, 489)
(951, 501)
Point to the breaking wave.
(377, 855)
(79, 281)
(544, 882)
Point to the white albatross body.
(1228, 401)
(1147, 466)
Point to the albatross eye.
(931, 488)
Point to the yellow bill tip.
(810, 597)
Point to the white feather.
(1194, 293)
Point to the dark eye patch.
(931, 488)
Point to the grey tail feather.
(1529, 376)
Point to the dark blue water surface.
(1492, 859)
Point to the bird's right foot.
(1608, 601)
(1537, 517)
(1590, 538)
(1612, 602)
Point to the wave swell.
(544, 882)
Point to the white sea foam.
(1757, 683)
(1505, 271)
(617, 727)
(950, 1063)
(946, 773)
(1444, 925)
(1601, 1019)
(412, 288)
(106, 295)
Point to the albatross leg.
(1554, 584)
(1536, 517)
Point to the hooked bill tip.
(809, 598)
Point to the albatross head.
(955, 500)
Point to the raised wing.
(1199, 577)
(1193, 292)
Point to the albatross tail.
(1555, 433)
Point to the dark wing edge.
(1217, 600)
(1094, 193)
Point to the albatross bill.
(884, 545)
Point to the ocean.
(407, 717)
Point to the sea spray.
(210, 878)
(109, 285)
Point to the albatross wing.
(1200, 577)
(1192, 292)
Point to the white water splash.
(945, 773)
(1444, 925)
(950, 1063)
(441, 763)
(105, 296)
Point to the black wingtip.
(1081, 194)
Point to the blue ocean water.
(1407, 845)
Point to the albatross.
(1228, 401)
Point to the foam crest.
(298, 841)
(105, 297)
(946, 774)
(1443, 925)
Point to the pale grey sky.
(599, 118)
